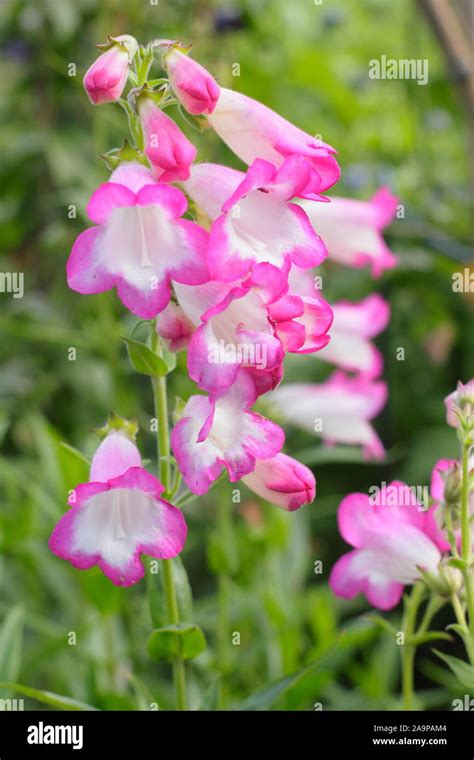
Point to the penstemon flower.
(221, 431)
(355, 323)
(118, 515)
(139, 244)
(254, 220)
(253, 131)
(242, 329)
(339, 410)
(352, 230)
(393, 536)
(105, 80)
(282, 481)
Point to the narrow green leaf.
(457, 562)
(11, 639)
(462, 670)
(183, 589)
(46, 697)
(143, 359)
(422, 638)
(75, 453)
(183, 640)
(156, 597)
(383, 624)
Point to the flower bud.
(105, 80)
(461, 402)
(194, 87)
(282, 481)
(168, 150)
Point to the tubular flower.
(139, 244)
(282, 481)
(253, 131)
(106, 78)
(239, 328)
(218, 432)
(253, 219)
(354, 325)
(392, 537)
(352, 230)
(118, 515)
(168, 150)
(339, 409)
(194, 87)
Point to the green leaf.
(462, 670)
(456, 627)
(457, 562)
(382, 623)
(116, 156)
(11, 638)
(266, 697)
(183, 589)
(156, 597)
(47, 697)
(170, 359)
(75, 453)
(144, 360)
(422, 638)
(183, 640)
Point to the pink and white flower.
(106, 78)
(253, 131)
(166, 147)
(460, 400)
(352, 230)
(192, 84)
(242, 327)
(354, 325)
(392, 537)
(282, 481)
(253, 219)
(221, 431)
(339, 410)
(139, 244)
(118, 515)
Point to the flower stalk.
(160, 398)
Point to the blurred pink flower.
(352, 230)
(339, 410)
(392, 538)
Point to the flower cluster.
(220, 261)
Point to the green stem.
(164, 469)
(223, 635)
(466, 551)
(465, 516)
(408, 650)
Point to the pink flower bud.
(105, 80)
(194, 87)
(167, 149)
(460, 401)
(282, 481)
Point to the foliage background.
(250, 565)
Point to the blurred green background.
(251, 567)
